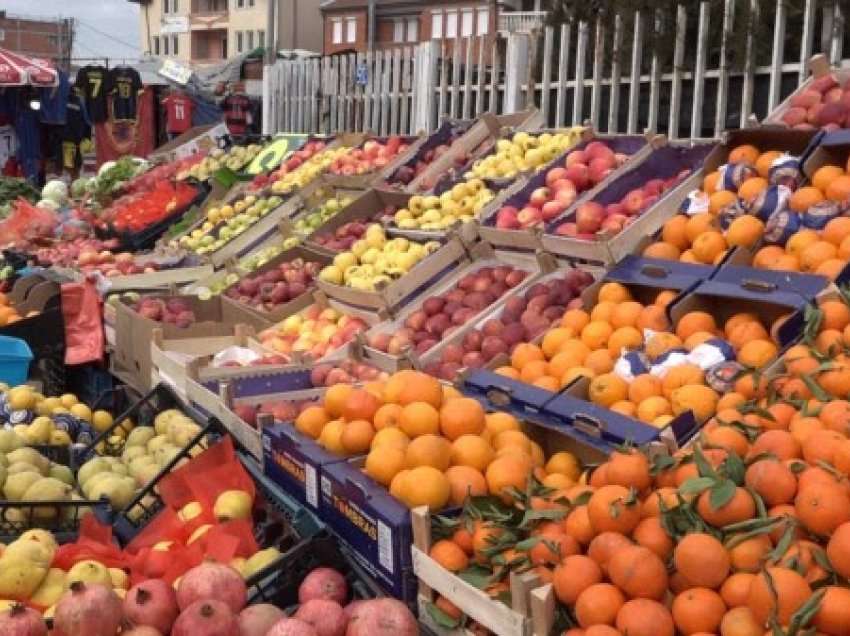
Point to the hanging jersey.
(92, 86)
(124, 85)
(75, 129)
(8, 143)
(178, 113)
(236, 110)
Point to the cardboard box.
(200, 139)
(663, 162)
(368, 179)
(636, 146)
(134, 333)
(819, 66)
(282, 311)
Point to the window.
(483, 21)
(166, 6)
(239, 44)
(412, 29)
(174, 45)
(261, 38)
(350, 29)
(398, 30)
(250, 3)
(155, 45)
(165, 45)
(240, 4)
(174, 4)
(451, 24)
(436, 25)
(337, 31)
(467, 22)
(250, 40)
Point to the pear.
(52, 588)
(34, 552)
(16, 485)
(140, 436)
(62, 473)
(47, 489)
(9, 441)
(29, 456)
(91, 468)
(88, 571)
(19, 578)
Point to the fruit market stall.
(494, 380)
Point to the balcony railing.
(521, 21)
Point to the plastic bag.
(165, 526)
(26, 222)
(81, 309)
(93, 543)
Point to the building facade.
(209, 31)
(37, 37)
(401, 22)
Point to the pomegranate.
(327, 617)
(22, 621)
(257, 620)
(152, 603)
(141, 630)
(87, 609)
(212, 580)
(324, 583)
(382, 617)
(206, 618)
(291, 627)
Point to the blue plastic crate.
(15, 358)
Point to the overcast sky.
(105, 28)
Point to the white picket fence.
(574, 73)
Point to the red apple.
(566, 229)
(539, 197)
(634, 202)
(554, 175)
(529, 216)
(578, 173)
(576, 156)
(589, 217)
(552, 209)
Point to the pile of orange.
(8, 314)
(700, 239)
(643, 548)
(428, 444)
(588, 344)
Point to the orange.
(651, 534)
(573, 576)
(624, 338)
(553, 339)
(702, 560)
(614, 292)
(739, 621)
(599, 361)
(335, 398)
(595, 335)
(575, 319)
(419, 418)
(757, 353)
(449, 555)
(602, 311)
(799, 241)
(710, 182)
(652, 408)
(696, 339)
(767, 255)
(473, 451)
(624, 407)
(833, 615)
(598, 604)
(533, 370)
(836, 314)
(524, 353)
(697, 398)
(772, 480)
(736, 588)
(745, 332)
(738, 319)
(645, 617)
(825, 175)
(695, 321)
(638, 572)
(709, 246)
(660, 343)
(831, 268)
(629, 469)
(653, 317)
(573, 355)
(512, 438)
(507, 472)
(644, 386)
(565, 464)
(804, 198)
(508, 372)
(765, 161)
(428, 450)
(662, 250)
(822, 507)
(613, 508)
(398, 485)
(465, 481)
(626, 314)
(665, 297)
(838, 550)
(426, 486)
(698, 610)
(383, 463)
(387, 416)
(499, 421)
(680, 376)
(720, 199)
(357, 436)
(751, 188)
(745, 231)
(461, 416)
(839, 189)
(674, 232)
(409, 386)
(390, 437)
(836, 416)
(605, 544)
(815, 254)
(782, 595)
(606, 389)
(739, 508)
(745, 153)
(699, 224)
(311, 421)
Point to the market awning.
(19, 70)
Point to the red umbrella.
(18, 70)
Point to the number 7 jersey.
(92, 86)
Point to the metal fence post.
(516, 69)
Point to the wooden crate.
(501, 619)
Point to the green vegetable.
(110, 180)
(11, 188)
